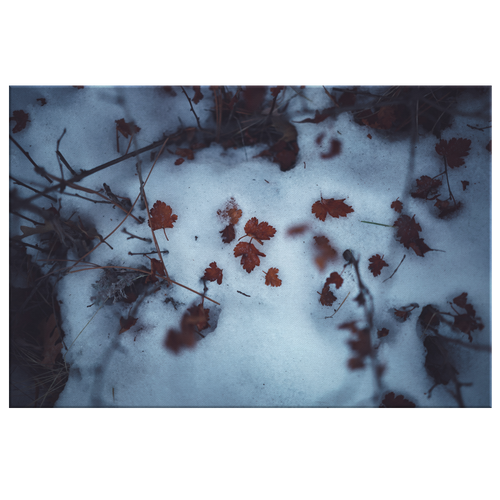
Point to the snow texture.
(267, 346)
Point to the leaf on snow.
(326, 296)
(249, 255)
(127, 323)
(185, 153)
(272, 277)
(334, 279)
(259, 231)
(231, 212)
(21, 118)
(382, 333)
(426, 186)
(397, 205)
(228, 234)
(454, 151)
(377, 263)
(162, 216)
(179, 161)
(336, 208)
(335, 147)
(393, 401)
(466, 323)
(156, 268)
(126, 129)
(324, 252)
(408, 236)
(361, 344)
(213, 273)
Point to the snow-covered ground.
(265, 346)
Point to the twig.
(243, 293)
(192, 109)
(147, 240)
(66, 164)
(326, 317)
(28, 219)
(147, 253)
(38, 169)
(32, 189)
(36, 247)
(404, 257)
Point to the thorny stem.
(192, 109)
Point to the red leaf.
(249, 255)
(228, 234)
(156, 268)
(21, 119)
(162, 216)
(259, 231)
(199, 316)
(335, 147)
(126, 129)
(377, 263)
(454, 151)
(336, 208)
(299, 229)
(360, 344)
(185, 153)
(466, 323)
(272, 277)
(393, 401)
(397, 205)
(213, 273)
(231, 212)
(325, 252)
(326, 296)
(334, 279)
(426, 186)
(408, 236)
(127, 324)
(179, 161)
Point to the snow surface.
(274, 348)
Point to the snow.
(272, 347)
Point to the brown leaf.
(326, 296)
(325, 253)
(377, 263)
(336, 208)
(259, 231)
(162, 216)
(213, 273)
(382, 333)
(393, 401)
(127, 323)
(272, 277)
(126, 129)
(228, 234)
(397, 205)
(454, 151)
(335, 147)
(249, 255)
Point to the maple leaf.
(397, 205)
(249, 255)
(127, 323)
(335, 147)
(213, 273)
(326, 296)
(325, 252)
(272, 277)
(336, 208)
(393, 401)
(402, 314)
(298, 229)
(185, 153)
(408, 235)
(21, 118)
(466, 323)
(334, 279)
(231, 212)
(184, 337)
(454, 151)
(161, 217)
(382, 333)
(228, 233)
(377, 263)
(426, 186)
(126, 129)
(361, 344)
(259, 231)
(179, 161)
(199, 316)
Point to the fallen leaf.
(21, 118)
(161, 216)
(393, 401)
(454, 151)
(336, 208)
(272, 277)
(397, 205)
(127, 323)
(249, 255)
(377, 263)
(259, 231)
(213, 273)
(126, 129)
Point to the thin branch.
(38, 169)
(404, 256)
(32, 189)
(192, 109)
(147, 240)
